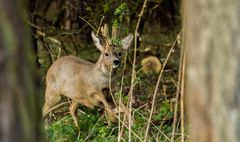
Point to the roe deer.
(83, 81)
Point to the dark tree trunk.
(212, 39)
(20, 118)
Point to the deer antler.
(105, 32)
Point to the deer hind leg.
(51, 99)
(72, 108)
(111, 116)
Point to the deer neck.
(100, 69)
(99, 73)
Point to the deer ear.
(97, 41)
(126, 42)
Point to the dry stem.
(180, 73)
(182, 93)
(130, 94)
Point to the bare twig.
(49, 49)
(88, 23)
(110, 88)
(44, 44)
(156, 88)
(99, 27)
(177, 92)
(59, 52)
(130, 94)
(120, 129)
(105, 32)
(34, 26)
(56, 106)
(182, 92)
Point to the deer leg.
(51, 99)
(101, 98)
(72, 108)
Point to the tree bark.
(20, 118)
(212, 40)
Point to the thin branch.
(110, 87)
(133, 70)
(88, 23)
(99, 27)
(56, 106)
(182, 93)
(120, 129)
(34, 26)
(178, 92)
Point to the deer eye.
(106, 54)
(119, 54)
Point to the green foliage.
(107, 6)
(164, 112)
(119, 94)
(61, 130)
(116, 42)
(119, 13)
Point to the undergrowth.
(95, 128)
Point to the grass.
(94, 127)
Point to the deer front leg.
(100, 97)
(72, 108)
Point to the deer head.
(110, 53)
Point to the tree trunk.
(20, 118)
(212, 40)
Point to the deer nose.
(116, 62)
